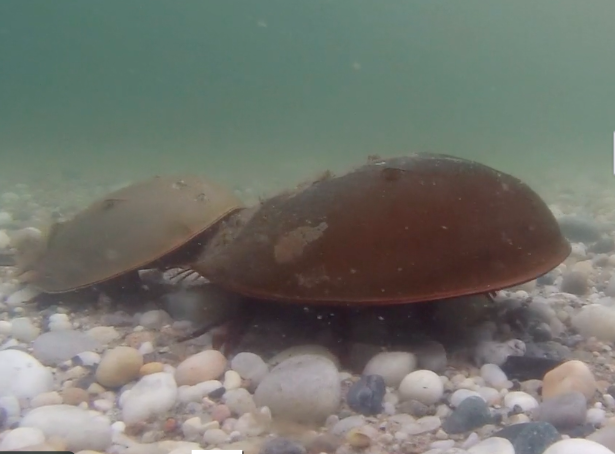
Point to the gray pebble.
(565, 411)
(55, 347)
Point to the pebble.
(462, 394)
(391, 366)
(493, 375)
(530, 437)
(250, 367)
(239, 401)
(471, 414)
(423, 386)
(520, 399)
(303, 388)
(493, 446)
(575, 282)
(80, 429)
(595, 320)
(232, 380)
(24, 330)
(59, 322)
(74, 396)
(50, 398)
(22, 375)
(22, 437)
(54, 347)
(201, 367)
(282, 446)
(119, 366)
(151, 368)
(577, 446)
(564, 411)
(153, 395)
(155, 319)
(104, 334)
(572, 375)
(366, 395)
(605, 436)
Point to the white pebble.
(22, 375)
(422, 385)
(215, 437)
(5, 327)
(494, 445)
(118, 427)
(89, 358)
(22, 437)
(59, 322)
(24, 330)
(493, 375)
(462, 394)
(232, 380)
(520, 399)
(153, 395)
(81, 429)
(392, 366)
(146, 348)
(102, 405)
(576, 446)
(196, 393)
(596, 416)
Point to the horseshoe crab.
(126, 230)
(408, 229)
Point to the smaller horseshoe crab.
(126, 230)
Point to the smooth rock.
(492, 446)
(577, 446)
(201, 367)
(119, 366)
(595, 320)
(23, 329)
(152, 396)
(22, 437)
(391, 366)
(365, 396)
(80, 429)
(55, 347)
(250, 367)
(564, 411)
(530, 437)
(520, 399)
(303, 388)
(471, 414)
(424, 386)
(23, 376)
(572, 375)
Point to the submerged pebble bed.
(100, 375)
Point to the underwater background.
(266, 93)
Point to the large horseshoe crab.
(401, 230)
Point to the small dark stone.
(472, 413)
(414, 408)
(604, 245)
(366, 395)
(530, 437)
(217, 393)
(528, 368)
(611, 390)
(282, 446)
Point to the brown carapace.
(401, 230)
(126, 230)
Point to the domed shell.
(128, 229)
(414, 228)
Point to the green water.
(268, 92)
